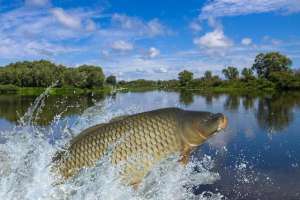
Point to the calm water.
(257, 157)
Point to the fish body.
(139, 141)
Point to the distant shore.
(270, 72)
(35, 91)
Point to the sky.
(155, 39)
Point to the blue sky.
(149, 39)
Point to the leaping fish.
(147, 137)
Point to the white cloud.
(246, 41)
(195, 26)
(153, 52)
(105, 53)
(220, 8)
(121, 45)
(90, 25)
(125, 21)
(214, 39)
(139, 69)
(155, 27)
(269, 40)
(151, 28)
(26, 33)
(10, 48)
(161, 70)
(66, 19)
(37, 2)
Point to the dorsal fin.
(118, 118)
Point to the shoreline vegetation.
(35, 91)
(271, 72)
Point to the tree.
(285, 80)
(207, 75)
(111, 80)
(247, 73)
(209, 80)
(267, 63)
(91, 76)
(43, 73)
(185, 77)
(231, 73)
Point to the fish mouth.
(223, 123)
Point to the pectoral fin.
(185, 155)
(135, 186)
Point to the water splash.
(25, 163)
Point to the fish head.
(199, 126)
(212, 124)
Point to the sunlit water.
(257, 157)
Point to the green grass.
(8, 89)
(232, 87)
(226, 88)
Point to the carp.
(139, 141)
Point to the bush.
(44, 73)
(285, 80)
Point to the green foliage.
(111, 80)
(44, 73)
(264, 84)
(285, 80)
(168, 83)
(92, 76)
(231, 73)
(185, 78)
(247, 74)
(207, 75)
(138, 84)
(209, 80)
(267, 63)
(31, 74)
(7, 89)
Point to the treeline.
(44, 73)
(269, 71)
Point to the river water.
(257, 157)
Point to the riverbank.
(35, 91)
(237, 87)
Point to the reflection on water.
(273, 113)
(248, 102)
(186, 97)
(276, 112)
(232, 102)
(247, 161)
(12, 107)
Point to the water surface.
(257, 157)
